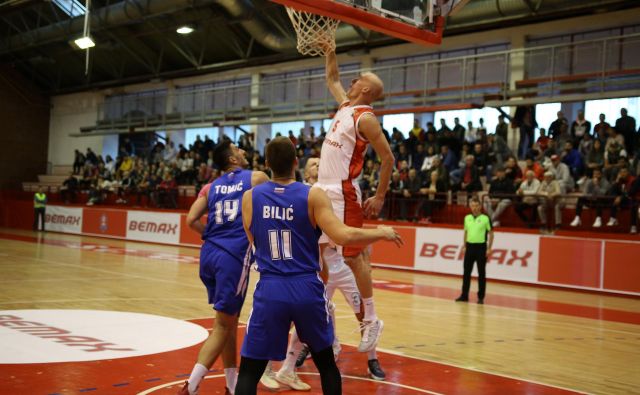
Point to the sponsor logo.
(153, 227)
(63, 219)
(332, 143)
(509, 257)
(45, 336)
(58, 335)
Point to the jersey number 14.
(228, 209)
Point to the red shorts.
(346, 200)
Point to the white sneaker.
(496, 224)
(372, 331)
(634, 230)
(292, 380)
(597, 223)
(268, 379)
(576, 222)
(612, 222)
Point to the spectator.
(482, 130)
(497, 149)
(428, 159)
(601, 129)
(573, 159)
(620, 190)
(69, 189)
(472, 133)
(396, 186)
(431, 142)
(595, 157)
(410, 191)
(39, 208)
(402, 155)
(126, 186)
(525, 119)
(502, 129)
(110, 165)
(594, 196)
(614, 158)
(430, 128)
(585, 145)
(91, 157)
(417, 132)
(481, 160)
(501, 192)
(634, 194)
(78, 162)
(543, 141)
(458, 130)
(170, 153)
(513, 172)
(449, 159)
(554, 128)
(614, 136)
(293, 138)
(418, 157)
(95, 191)
(626, 126)
(443, 127)
(527, 190)
(470, 176)
(167, 192)
(203, 177)
(562, 173)
(126, 165)
(534, 166)
(580, 127)
(432, 188)
(550, 194)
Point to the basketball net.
(316, 34)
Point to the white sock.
(369, 309)
(372, 355)
(197, 374)
(231, 376)
(295, 346)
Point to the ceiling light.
(184, 29)
(85, 42)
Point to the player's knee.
(225, 322)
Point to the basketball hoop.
(316, 34)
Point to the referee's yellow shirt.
(477, 228)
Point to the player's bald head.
(281, 156)
(374, 83)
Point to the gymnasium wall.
(24, 131)
(596, 264)
(70, 112)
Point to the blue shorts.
(279, 301)
(225, 277)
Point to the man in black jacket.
(501, 191)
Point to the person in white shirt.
(528, 190)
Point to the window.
(190, 135)
(72, 8)
(611, 109)
(284, 127)
(545, 115)
(488, 114)
(404, 123)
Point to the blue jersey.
(224, 225)
(286, 243)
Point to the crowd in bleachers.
(600, 163)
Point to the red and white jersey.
(343, 150)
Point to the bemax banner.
(513, 256)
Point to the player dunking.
(222, 269)
(283, 228)
(353, 128)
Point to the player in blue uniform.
(222, 269)
(284, 228)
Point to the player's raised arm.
(370, 128)
(333, 78)
(247, 213)
(322, 214)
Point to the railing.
(551, 71)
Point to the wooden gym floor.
(523, 340)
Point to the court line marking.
(401, 354)
(159, 387)
(95, 300)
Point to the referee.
(477, 229)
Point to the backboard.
(417, 21)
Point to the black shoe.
(302, 357)
(480, 301)
(375, 371)
(462, 299)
